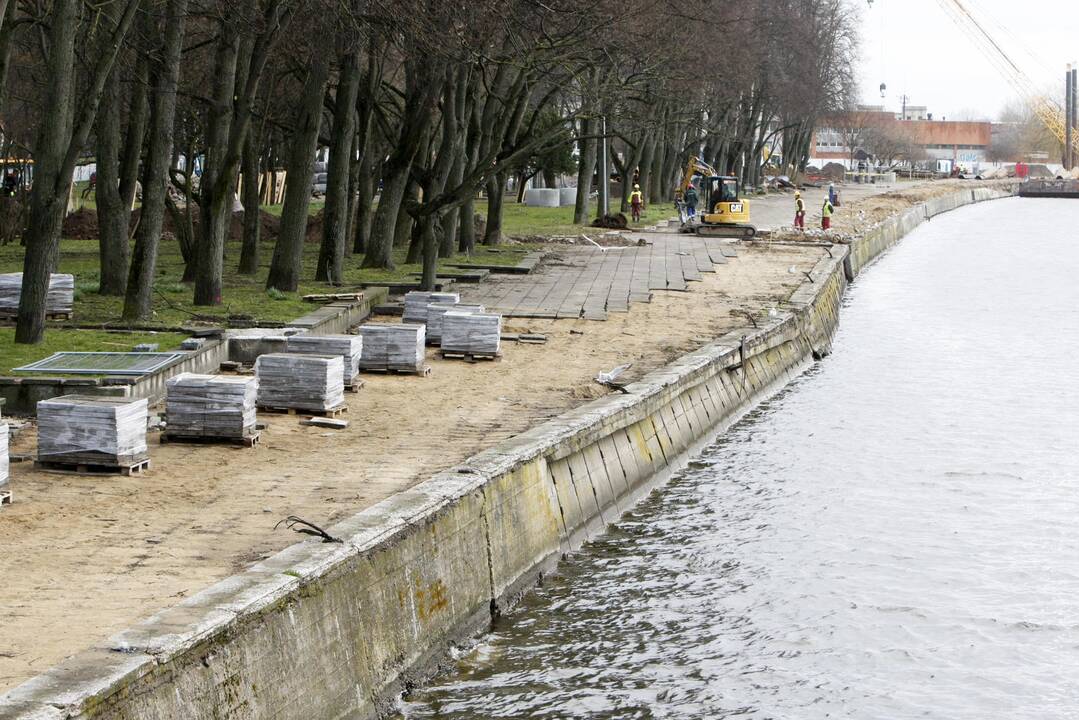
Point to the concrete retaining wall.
(338, 630)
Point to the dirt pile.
(612, 222)
(82, 225)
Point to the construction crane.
(1048, 110)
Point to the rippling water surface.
(896, 535)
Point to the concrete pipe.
(541, 197)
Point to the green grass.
(521, 220)
(241, 295)
(246, 296)
(60, 340)
(312, 209)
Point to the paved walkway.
(577, 282)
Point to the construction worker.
(636, 202)
(799, 211)
(826, 215)
(691, 201)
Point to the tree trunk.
(406, 226)
(586, 168)
(59, 141)
(138, 303)
(467, 242)
(365, 199)
(429, 241)
(112, 217)
(287, 262)
(249, 250)
(496, 186)
(331, 257)
(451, 219)
(379, 252)
(213, 208)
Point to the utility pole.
(904, 98)
(602, 197)
(1069, 106)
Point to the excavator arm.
(694, 167)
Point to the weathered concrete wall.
(337, 630)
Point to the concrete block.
(523, 525)
(602, 487)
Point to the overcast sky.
(916, 48)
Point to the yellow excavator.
(721, 213)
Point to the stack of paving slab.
(58, 298)
(435, 311)
(349, 347)
(91, 430)
(478, 334)
(393, 347)
(5, 487)
(416, 303)
(210, 407)
(300, 382)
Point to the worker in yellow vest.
(826, 215)
(799, 212)
(636, 202)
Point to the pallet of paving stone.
(59, 298)
(416, 303)
(87, 433)
(391, 347)
(435, 311)
(349, 347)
(309, 383)
(208, 408)
(478, 335)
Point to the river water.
(895, 535)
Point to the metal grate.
(103, 363)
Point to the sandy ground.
(85, 557)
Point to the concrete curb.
(338, 630)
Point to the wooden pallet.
(245, 441)
(332, 412)
(88, 468)
(387, 370)
(354, 385)
(469, 357)
(63, 317)
(5, 497)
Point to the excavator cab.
(725, 215)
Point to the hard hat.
(636, 186)
(797, 194)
